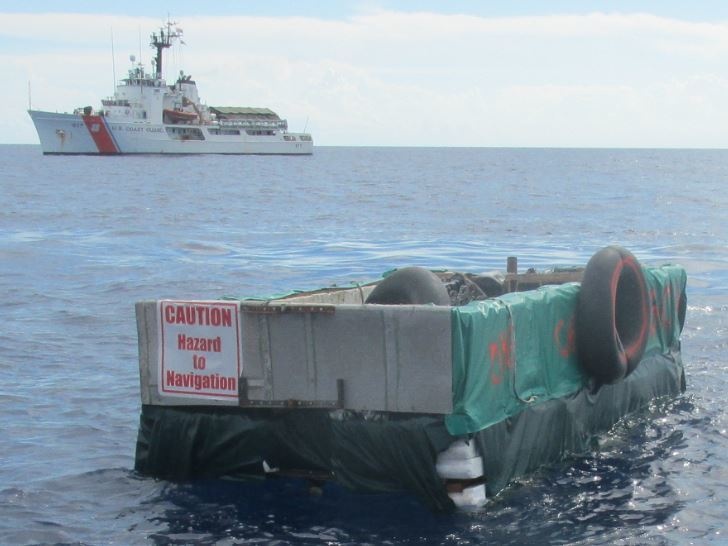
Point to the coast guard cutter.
(148, 116)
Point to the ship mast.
(162, 41)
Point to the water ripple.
(77, 251)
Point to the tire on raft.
(612, 315)
(410, 285)
(490, 285)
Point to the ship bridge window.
(217, 131)
(289, 137)
(259, 132)
(307, 138)
(185, 133)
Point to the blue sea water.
(83, 238)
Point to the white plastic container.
(459, 449)
(460, 469)
(471, 498)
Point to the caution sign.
(199, 349)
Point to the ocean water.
(83, 238)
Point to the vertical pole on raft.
(512, 271)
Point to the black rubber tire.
(612, 315)
(682, 307)
(491, 286)
(410, 286)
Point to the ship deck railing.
(253, 123)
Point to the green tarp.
(519, 350)
(545, 433)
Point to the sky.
(490, 73)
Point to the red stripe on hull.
(100, 133)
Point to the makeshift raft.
(447, 385)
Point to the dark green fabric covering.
(372, 453)
(385, 452)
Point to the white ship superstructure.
(148, 116)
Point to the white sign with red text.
(199, 349)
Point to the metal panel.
(368, 357)
(390, 358)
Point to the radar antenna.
(162, 41)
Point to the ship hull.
(98, 135)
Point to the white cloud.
(405, 79)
